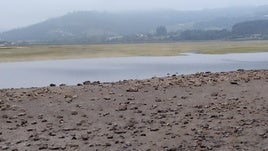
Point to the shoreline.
(202, 111)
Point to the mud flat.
(202, 111)
(55, 52)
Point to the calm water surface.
(71, 72)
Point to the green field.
(50, 52)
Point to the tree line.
(249, 30)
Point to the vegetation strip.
(52, 52)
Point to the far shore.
(55, 52)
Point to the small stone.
(132, 89)
(2, 140)
(158, 100)
(122, 108)
(21, 114)
(184, 97)
(234, 82)
(96, 82)
(131, 99)
(44, 121)
(74, 96)
(107, 98)
(59, 116)
(74, 112)
(4, 116)
(52, 85)
(86, 83)
(34, 122)
(40, 116)
(240, 70)
(214, 94)
(128, 144)
(84, 137)
(111, 92)
(52, 134)
(43, 146)
(119, 132)
(173, 149)
(57, 147)
(4, 147)
(154, 129)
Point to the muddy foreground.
(203, 111)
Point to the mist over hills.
(86, 26)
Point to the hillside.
(251, 27)
(92, 26)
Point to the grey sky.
(17, 13)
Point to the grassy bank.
(48, 52)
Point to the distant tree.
(205, 34)
(251, 27)
(161, 31)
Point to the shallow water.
(71, 72)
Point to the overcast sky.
(17, 13)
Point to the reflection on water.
(71, 72)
